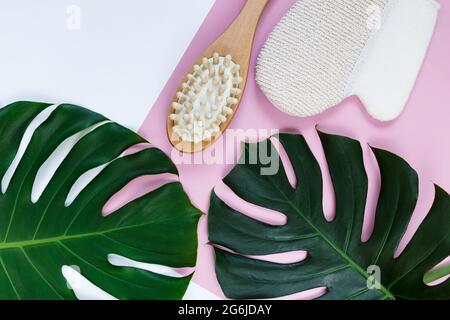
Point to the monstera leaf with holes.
(37, 239)
(337, 258)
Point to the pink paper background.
(421, 135)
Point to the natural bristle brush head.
(205, 102)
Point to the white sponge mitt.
(324, 51)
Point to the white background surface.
(111, 56)
(115, 63)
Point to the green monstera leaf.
(40, 236)
(337, 258)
